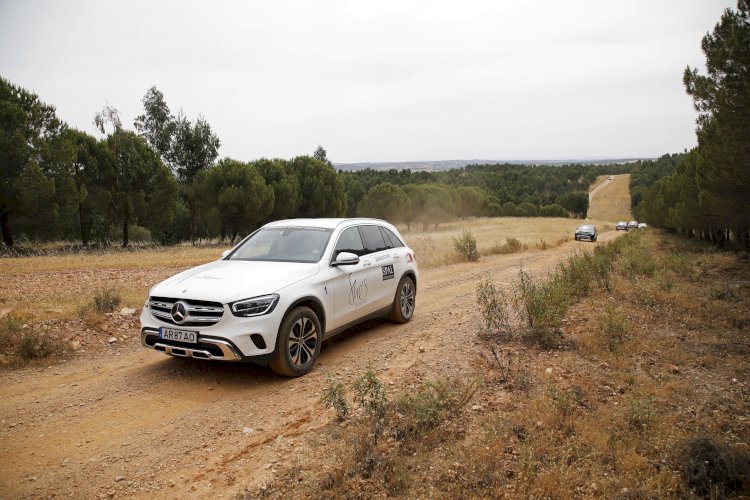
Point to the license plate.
(178, 335)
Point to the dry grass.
(659, 412)
(435, 247)
(612, 202)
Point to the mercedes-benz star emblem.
(179, 312)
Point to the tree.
(157, 124)
(321, 188)
(321, 155)
(385, 201)
(473, 201)
(278, 174)
(26, 126)
(239, 193)
(722, 97)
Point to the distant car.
(632, 225)
(610, 177)
(621, 226)
(586, 232)
(642, 225)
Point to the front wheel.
(405, 301)
(298, 343)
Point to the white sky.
(377, 81)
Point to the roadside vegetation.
(622, 374)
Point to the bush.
(10, 328)
(426, 408)
(36, 346)
(333, 397)
(106, 300)
(613, 325)
(494, 308)
(712, 469)
(541, 306)
(640, 414)
(370, 395)
(511, 245)
(466, 246)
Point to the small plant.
(36, 346)
(511, 245)
(370, 395)
(640, 415)
(541, 306)
(494, 308)
(613, 326)
(10, 328)
(466, 246)
(106, 300)
(333, 397)
(428, 405)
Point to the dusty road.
(134, 422)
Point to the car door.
(353, 284)
(383, 288)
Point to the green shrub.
(541, 306)
(426, 407)
(370, 395)
(466, 246)
(333, 397)
(494, 309)
(640, 414)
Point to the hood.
(229, 280)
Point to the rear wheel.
(298, 343)
(405, 300)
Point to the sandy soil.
(119, 420)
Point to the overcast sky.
(377, 81)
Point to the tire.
(405, 301)
(297, 343)
(593, 240)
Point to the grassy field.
(59, 286)
(612, 202)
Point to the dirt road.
(133, 422)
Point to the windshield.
(284, 244)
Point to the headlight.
(255, 306)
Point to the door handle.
(366, 264)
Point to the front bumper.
(231, 339)
(584, 236)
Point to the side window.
(373, 239)
(349, 241)
(392, 238)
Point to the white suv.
(281, 291)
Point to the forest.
(705, 193)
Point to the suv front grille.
(199, 312)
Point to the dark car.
(586, 232)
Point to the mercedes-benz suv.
(282, 291)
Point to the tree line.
(161, 181)
(706, 193)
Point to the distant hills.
(432, 166)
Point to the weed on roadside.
(466, 246)
(494, 309)
(613, 326)
(370, 395)
(334, 397)
(511, 245)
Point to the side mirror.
(225, 253)
(346, 259)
